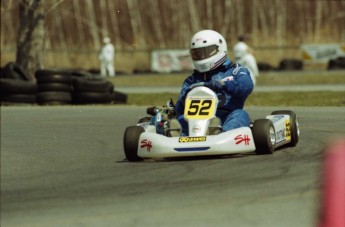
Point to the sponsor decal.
(196, 128)
(280, 136)
(171, 60)
(229, 78)
(277, 118)
(322, 52)
(146, 143)
(288, 130)
(242, 138)
(192, 139)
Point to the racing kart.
(160, 136)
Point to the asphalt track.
(64, 166)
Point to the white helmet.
(208, 50)
(240, 49)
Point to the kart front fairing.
(153, 145)
(200, 107)
(161, 136)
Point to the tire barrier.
(83, 97)
(56, 87)
(93, 91)
(262, 66)
(54, 98)
(18, 86)
(338, 63)
(96, 91)
(118, 97)
(14, 91)
(290, 64)
(54, 78)
(15, 71)
(92, 85)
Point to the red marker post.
(333, 186)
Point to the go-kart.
(160, 136)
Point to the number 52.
(199, 107)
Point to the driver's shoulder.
(237, 69)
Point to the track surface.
(64, 166)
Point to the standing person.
(106, 58)
(244, 57)
(230, 81)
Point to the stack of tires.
(92, 91)
(54, 87)
(68, 86)
(16, 86)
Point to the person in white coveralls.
(245, 58)
(106, 58)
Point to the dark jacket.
(237, 86)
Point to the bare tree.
(94, 27)
(30, 43)
(195, 22)
(135, 23)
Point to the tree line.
(160, 24)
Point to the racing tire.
(294, 127)
(264, 136)
(131, 142)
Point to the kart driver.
(230, 81)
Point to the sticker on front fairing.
(199, 107)
(192, 139)
(288, 130)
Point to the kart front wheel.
(131, 142)
(264, 136)
(294, 127)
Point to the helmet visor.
(203, 52)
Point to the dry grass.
(266, 78)
(256, 99)
(324, 98)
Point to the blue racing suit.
(235, 86)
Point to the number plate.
(199, 107)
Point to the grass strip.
(317, 98)
(271, 78)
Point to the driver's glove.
(215, 85)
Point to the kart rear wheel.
(264, 136)
(294, 127)
(131, 142)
